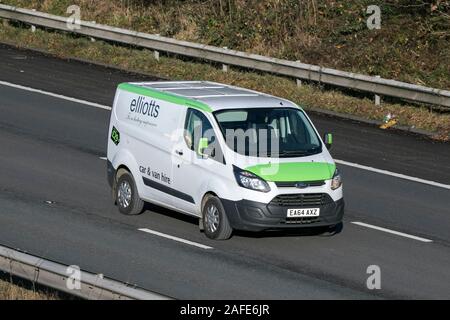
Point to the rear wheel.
(215, 220)
(126, 195)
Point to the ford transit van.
(235, 158)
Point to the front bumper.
(256, 216)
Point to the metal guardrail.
(54, 275)
(293, 69)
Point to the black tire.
(215, 222)
(333, 230)
(126, 196)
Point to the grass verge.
(10, 290)
(412, 43)
(142, 61)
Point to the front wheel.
(127, 197)
(215, 220)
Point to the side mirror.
(328, 140)
(202, 148)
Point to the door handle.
(179, 152)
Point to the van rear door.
(149, 124)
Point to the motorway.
(55, 202)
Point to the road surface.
(55, 202)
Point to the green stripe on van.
(149, 92)
(294, 171)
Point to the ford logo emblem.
(301, 185)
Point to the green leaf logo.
(115, 136)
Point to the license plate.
(299, 213)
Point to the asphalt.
(50, 151)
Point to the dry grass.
(308, 96)
(9, 291)
(412, 45)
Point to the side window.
(198, 126)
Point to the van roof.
(206, 95)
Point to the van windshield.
(268, 132)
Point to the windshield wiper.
(300, 152)
(293, 153)
(314, 149)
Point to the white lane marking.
(103, 158)
(59, 96)
(160, 234)
(393, 174)
(362, 224)
(355, 165)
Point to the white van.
(235, 158)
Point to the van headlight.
(251, 181)
(336, 182)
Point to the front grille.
(301, 200)
(293, 184)
(303, 220)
